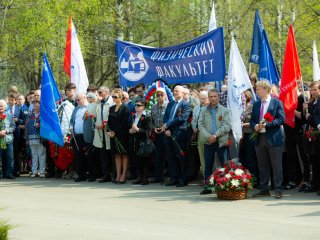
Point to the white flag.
(213, 22)
(316, 68)
(238, 82)
(78, 70)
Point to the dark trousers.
(80, 158)
(142, 165)
(248, 155)
(177, 160)
(105, 160)
(269, 156)
(159, 143)
(209, 153)
(16, 154)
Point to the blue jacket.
(178, 124)
(273, 131)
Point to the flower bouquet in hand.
(3, 144)
(120, 148)
(266, 118)
(232, 179)
(312, 134)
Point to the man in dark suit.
(175, 127)
(269, 142)
(17, 114)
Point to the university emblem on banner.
(133, 65)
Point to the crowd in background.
(104, 131)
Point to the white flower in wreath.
(235, 182)
(221, 170)
(228, 175)
(238, 172)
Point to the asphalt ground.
(62, 209)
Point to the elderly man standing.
(157, 113)
(7, 127)
(101, 139)
(175, 126)
(81, 126)
(270, 141)
(214, 126)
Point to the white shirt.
(78, 121)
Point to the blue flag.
(267, 67)
(50, 126)
(256, 39)
(199, 60)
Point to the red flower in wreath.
(268, 117)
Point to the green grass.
(4, 229)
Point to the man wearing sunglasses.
(175, 126)
(157, 113)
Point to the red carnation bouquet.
(3, 144)
(266, 118)
(233, 176)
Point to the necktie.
(262, 109)
(173, 110)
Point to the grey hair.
(2, 101)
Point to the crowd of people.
(110, 136)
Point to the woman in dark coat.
(140, 129)
(118, 130)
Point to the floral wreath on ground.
(233, 176)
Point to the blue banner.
(267, 67)
(50, 126)
(256, 39)
(199, 60)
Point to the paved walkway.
(61, 209)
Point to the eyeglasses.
(99, 92)
(139, 105)
(160, 94)
(115, 97)
(78, 100)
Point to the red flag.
(67, 53)
(291, 72)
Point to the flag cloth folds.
(267, 67)
(213, 21)
(256, 38)
(238, 82)
(50, 126)
(73, 60)
(291, 72)
(316, 68)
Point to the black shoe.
(105, 179)
(155, 181)
(182, 184)
(145, 182)
(262, 194)
(309, 189)
(302, 188)
(50, 175)
(138, 181)
(172, 183)
(278, 195)
(289, 186)
(10, 176)
(318, 193)
(91, 180)
(80, 179)
(205, 191)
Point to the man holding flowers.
(266, 119)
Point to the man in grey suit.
(214, 126)
(81, 125)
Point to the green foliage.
(30, 27)
(4, 229)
